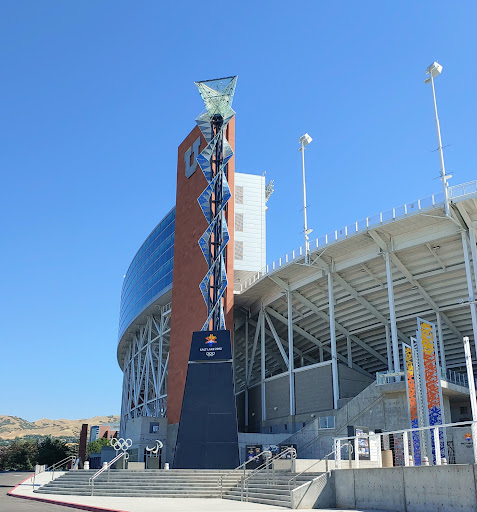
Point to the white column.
(405, 443)
(473, 250)
(290, 354)
(442, 354)
(473, 400)
(388, 349)
(392, 314)
(334, 360)
(470, 287)
(262, 373)
(350, 353)
(246, 371)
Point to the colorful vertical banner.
(412, 401)
(430, 376)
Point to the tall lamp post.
(304, 140)
(433, 70)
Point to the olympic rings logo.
(210, 354)
(121, 444)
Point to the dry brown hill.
(12, 426)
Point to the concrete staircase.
(174, 483)
(269, 489)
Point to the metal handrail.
(325, 458)
(265, 465)
(106, 467)
(237, 468)
(53, 468)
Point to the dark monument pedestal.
(207, 437)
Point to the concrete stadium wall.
(313, 390)
(412, 489)
(351, 382)
(254, 408)
(277, 397)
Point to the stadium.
(317, 335)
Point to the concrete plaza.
(43, 503)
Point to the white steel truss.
(359, 297)
(145, 368)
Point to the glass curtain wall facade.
(150, 272)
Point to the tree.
(19, 455)
(95, 446)
(51, 451)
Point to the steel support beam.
(365, 303)
(392, 314)
(334, 361)
(321, 314)
(246, 372)
(254, 346)
(388, 349)
(277, 340)
(285, 344)
(397, 262)
(262, 366)
(470, 286)
(290, 353)
(442, 354)
(349, 352)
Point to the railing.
(387, 377)
(238, 468)
(325, 458)
(359, 226)
(269, 462)
(71, 460)
(106, 467)
(460, 379)
(423, 445)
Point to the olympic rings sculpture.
(120, 444)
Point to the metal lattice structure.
(359, 297)
(217, 95)
(145, 369)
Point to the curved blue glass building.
(150, 272)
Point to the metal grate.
(238, 194)
(239, 222)
(238, 250)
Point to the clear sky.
(96, 95)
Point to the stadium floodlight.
(304, 140)
(434, 70)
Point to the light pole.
(433, 70)
(304, 140)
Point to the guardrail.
(359, 226)
(429, 443)
(71, 460)
(106, 467)
(325, 458)
(448, 375)
(238, 468)
(265, 467)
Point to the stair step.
(264, 501)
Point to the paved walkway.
(32, 502)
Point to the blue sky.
(97, 95)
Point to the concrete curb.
(79, 506)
